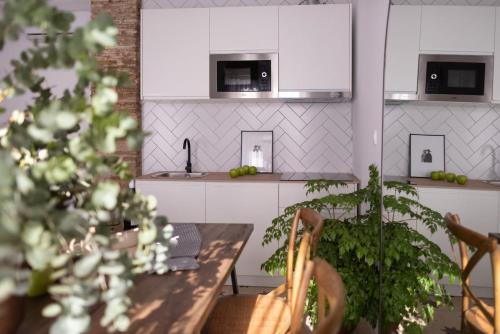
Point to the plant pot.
(11, 314)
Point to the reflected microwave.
(461, 78)
(246, 75)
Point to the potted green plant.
(60, 183)
(411, 267)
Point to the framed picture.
(257, 150)
(426, 154)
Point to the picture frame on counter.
(257, 150)
(427, 154)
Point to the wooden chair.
(270, 313)
(330, 289)
(477, 316)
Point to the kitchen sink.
(178, 175)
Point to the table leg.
(234, 282)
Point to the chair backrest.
(482, 244)
(331, 292)
(313, 224)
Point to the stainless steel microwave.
(461, 78)
(246, 75)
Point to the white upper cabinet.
(403, 39)
(448, 29)
(241, 29)
(315, 48)
(175, 53)
(496, 60)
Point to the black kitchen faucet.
(188, 163)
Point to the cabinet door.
(241, 29)
(478, 210)
(295, 192)
(457, 29)
(403, 39)
(496, 56)
(250, 203)
(175, 53)
(315, 48)
(180, 202)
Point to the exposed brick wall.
(125, 58)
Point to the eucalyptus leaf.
(87, 264)
(52, 310)
(7, 287)
(105, 195)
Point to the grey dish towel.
(183, 255)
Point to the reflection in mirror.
(440, 155)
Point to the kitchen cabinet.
(403, 47)
(232, 202)
(457, 29)
(315, 48)
(180, 202)
(295, 192)
(478, 210)
(253, 203)
(244, 29)
(496, 59)
(174, 53)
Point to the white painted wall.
(370, 20)
(57, 79)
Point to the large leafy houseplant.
(60, 180)
(412, 265)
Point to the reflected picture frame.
(427, 154)
(257, 150)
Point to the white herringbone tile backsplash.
(472, 136)
(308, 137)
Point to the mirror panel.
(441, 114)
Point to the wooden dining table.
(177, 302)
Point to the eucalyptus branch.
(60, 177)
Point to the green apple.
(234, 173)
(39, 283)
(246, 169)
(450, 177)
(241, 171)
(461, 179)
(252, 170)
(442, 175)
(435, 175)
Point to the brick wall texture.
(124, 58)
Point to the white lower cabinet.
(252, 203)
(295, 192)
(180, 202)
(478, 210)
(256, 203)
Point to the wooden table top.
(178, 302)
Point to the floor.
(447, 320)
